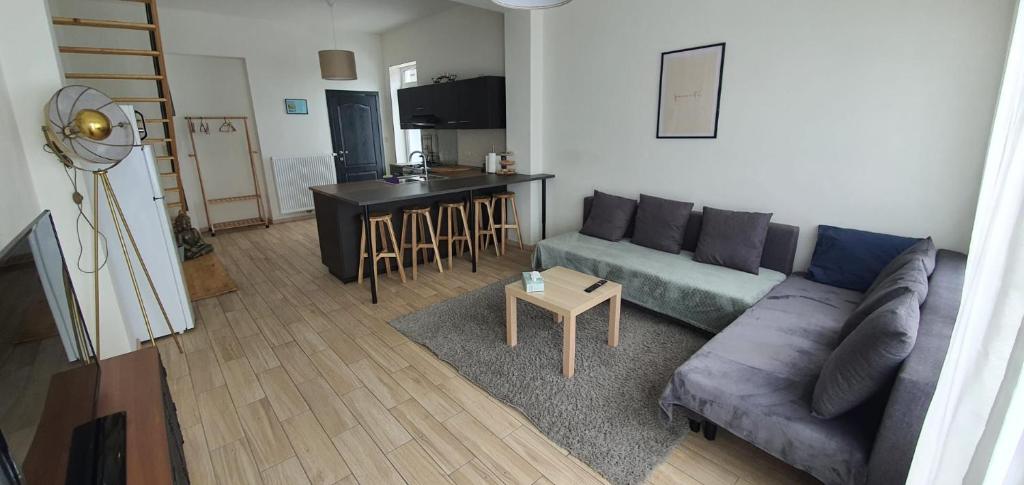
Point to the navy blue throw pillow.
(852, 259)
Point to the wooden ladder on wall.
(163, 139)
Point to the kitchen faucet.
(423, 157)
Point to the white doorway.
(216, 86)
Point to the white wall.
(871, 114)
(17, 196)
(211, 85)
(465, 41)
(474, 145)
(32, 74)
(524, 93)
(281, 62)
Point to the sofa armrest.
(915, 383)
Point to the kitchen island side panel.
(337, 226)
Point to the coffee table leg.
(569, 346)
(614, 308)
(510, 320)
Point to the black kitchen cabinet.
(446, 104)
(477, 103)
(482, 103)
(414, 104)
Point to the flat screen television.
(45, 351)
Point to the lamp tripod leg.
(142, 263)
(96, 257)
(127, 259)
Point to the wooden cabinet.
(133, 383)
(477, 103)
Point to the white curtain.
(974, 431)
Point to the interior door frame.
(382, 167)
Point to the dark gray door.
(355, 134)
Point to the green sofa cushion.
(706, 296)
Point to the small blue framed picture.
(296, 107)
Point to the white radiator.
(294, 176)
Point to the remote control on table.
(591, 288)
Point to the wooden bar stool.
(504, 199)
(457, 234)
(483, 226)
(379, 222)
(417, 221)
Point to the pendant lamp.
(337, 64)
(531, 4)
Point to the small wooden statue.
(189, 237)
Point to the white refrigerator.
(139, 191)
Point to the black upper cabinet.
(477, 103)
(446, 104)
(482, 103)
(414, 104)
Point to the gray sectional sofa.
(774, 333)
(706, 296)
(757, 376)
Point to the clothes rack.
(255, 196)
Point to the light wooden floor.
(297, 379)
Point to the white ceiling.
(372, 16)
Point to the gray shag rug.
(608, 414)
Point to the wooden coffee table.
(563, 295)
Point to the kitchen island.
(340, 206)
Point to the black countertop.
(374, 192)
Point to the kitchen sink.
(408, 179)
(422, 178)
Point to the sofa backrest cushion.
(733, 239)
(851, 258)
(865, 362)
(923, 250)
(779, 246)
(911, 393)
(912, 277)
(610, 218)
(660, 223)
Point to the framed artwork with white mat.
(690, 92)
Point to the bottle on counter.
(492, 162)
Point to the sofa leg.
(710, 431)
(695, 426)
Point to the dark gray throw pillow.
(923, 250)
(609, 217)
(865, 361)
(911, 278)
(660, 223)
(732, 239)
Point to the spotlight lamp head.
(86, 130)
